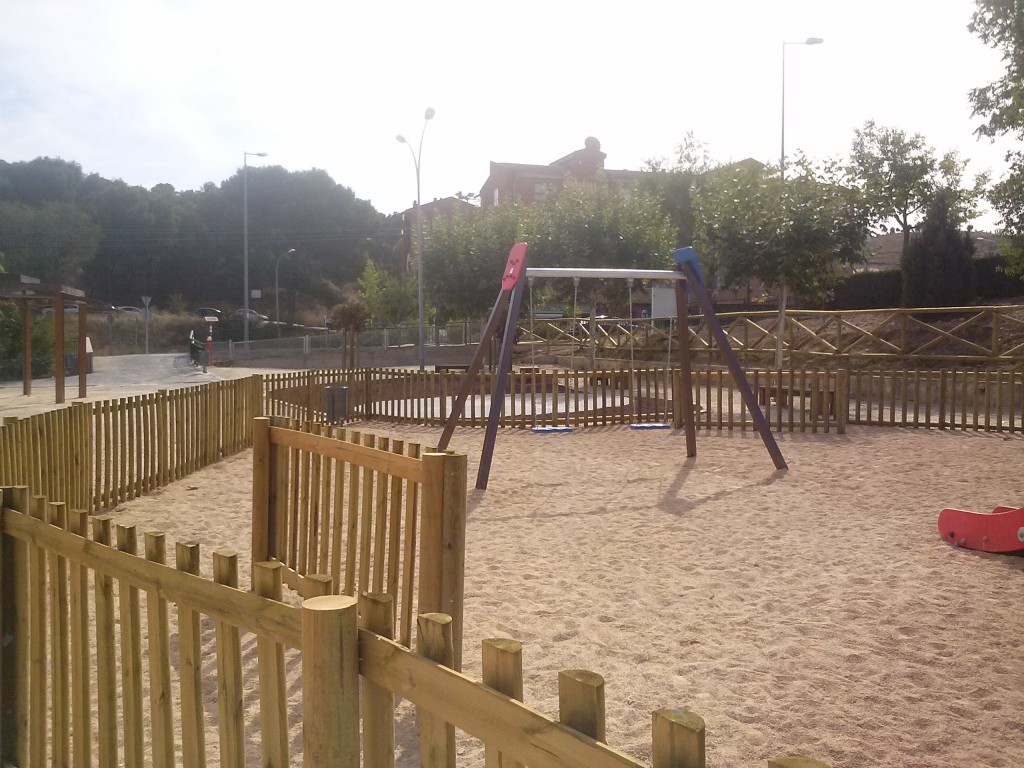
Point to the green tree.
(583, 225)
(53, 242)
(938, 266)
(900, 175)
(389, 299)
(674, 181)
(797, 236)
(1000, 24)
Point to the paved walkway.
(112, 377)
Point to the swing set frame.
(508, 305)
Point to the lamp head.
(813, 41)
(401, 139)
(429, 114)
(291, 250)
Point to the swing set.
(685, 277)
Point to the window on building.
(541, 190)
(497, 197)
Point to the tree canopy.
(1000, 24)
(938, 267)
(119, 242)
(750, 225)
(900, 175)
(583, 225)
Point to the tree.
(52, 242)
(673, 182)
(582, 225)
(797, 236)
(938, 266)
(388, 299)
(900, 175)
(999, 24)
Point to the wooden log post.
(377, 614)
(581, 702)
(190, 658)
(678, 740)
(437, 737)
(261, 482)
(795, 762)
(229, 671)
(316, 585)
(131, 655)
(14, 624)
(330, 682)
(160, 694)
(443, 541)
(502, 671)
(267, 583)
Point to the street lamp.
(245, 237)
(277, 293)
(416, 157)
(781, 329)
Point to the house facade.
(525, 184)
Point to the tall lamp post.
(417, 155)
(781, 332)
(245, 237)
(277, 292)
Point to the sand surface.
(814, 612)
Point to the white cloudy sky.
(152, 91)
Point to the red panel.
(514, 268)
(1000, 531)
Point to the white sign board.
(663, 301)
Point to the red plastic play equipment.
(1000, 531)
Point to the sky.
(175, 92)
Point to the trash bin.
(337, 405)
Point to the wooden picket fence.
(536, 397)
(95, 455)
(71, 613)
(359, 513)
(974, 399)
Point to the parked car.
(208, 312)
(132, 310)
(254, 316)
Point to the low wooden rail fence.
(72, 618)
(362, 513)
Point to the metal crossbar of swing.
(636, 274)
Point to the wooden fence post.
(443, 541)
(842, 400)
(273, 684)
(437, 738)
(377, 614)
(14, 624)
(502, 671)
(795, 762)
(581, 702)
(261, 479)
(330, 682)
(677, 738)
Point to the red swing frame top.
(514, 268)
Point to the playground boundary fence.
(358, 513)
(95, 455)
(62, 701)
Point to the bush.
(993, 282)
(868, 290)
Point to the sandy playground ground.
(815, 611)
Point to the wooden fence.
(911, 337)
(806, 400)
(71, 614)
(360, 512)
(95, 455)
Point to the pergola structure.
(30, 293)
